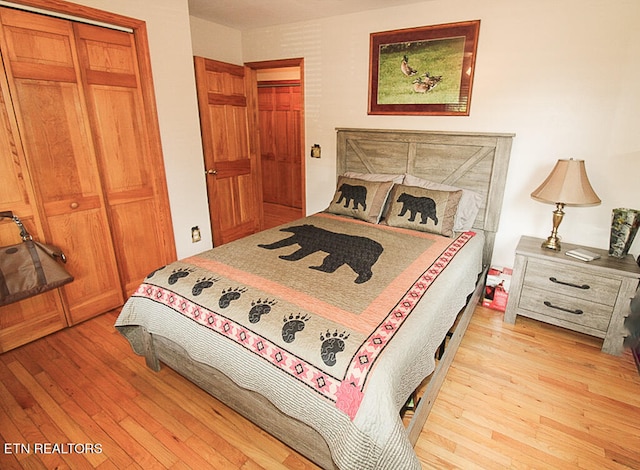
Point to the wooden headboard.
(475, 161)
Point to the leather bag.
(29, 268)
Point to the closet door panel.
(15, 194)
(56, 141)
(132, 168)
(51, 112)
(24, 321)
(92, 291)
(32, 318)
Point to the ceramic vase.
(624, 226)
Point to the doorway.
(281, 129)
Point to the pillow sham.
(468, 208)
(360, 199)
(422, 209)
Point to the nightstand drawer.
(569, 281)
(570, 309)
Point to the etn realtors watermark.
(51, 448)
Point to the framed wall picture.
(423, 71)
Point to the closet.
(81, 165)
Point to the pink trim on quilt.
(352, 388)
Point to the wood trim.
(211, 65)
(121, 79)
(278, 63)
(277, 83)
(153, 131)
(44, 72)
(220, 99)
(82, 11)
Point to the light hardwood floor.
(516, 397)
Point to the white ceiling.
(249, 14)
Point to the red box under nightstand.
(496, 291)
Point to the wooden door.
(228, 107)
(129, 152)
(37, 316)
(280, 118)
(42, 69)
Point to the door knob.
(211, 172)
(74, 205)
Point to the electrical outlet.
(195, 234)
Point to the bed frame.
(476, 161)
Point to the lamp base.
(551, 243)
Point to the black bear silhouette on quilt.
(359, 253)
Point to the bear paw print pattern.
(178, 274)
(292, 325)
(260, 307)
(332, 344)
(202, 284)
(152, 273)
(229, 295)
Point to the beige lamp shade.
(567, 184)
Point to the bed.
(320, 330)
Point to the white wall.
(215, 41)
(169, 35)
(561, 75)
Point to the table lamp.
(566, 185)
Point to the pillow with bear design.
(425, 210)
(469, 206)
(360, 199)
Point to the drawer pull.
(583, 286)
(575, 312)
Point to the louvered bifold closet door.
(41, 62)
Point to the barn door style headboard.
(474, 161)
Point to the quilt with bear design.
(312, 307)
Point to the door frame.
(283, 63)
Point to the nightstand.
(590, 297)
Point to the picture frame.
(426, 70)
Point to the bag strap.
(37, 264)
(52, 251)
(24, 234)
(4, 289)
